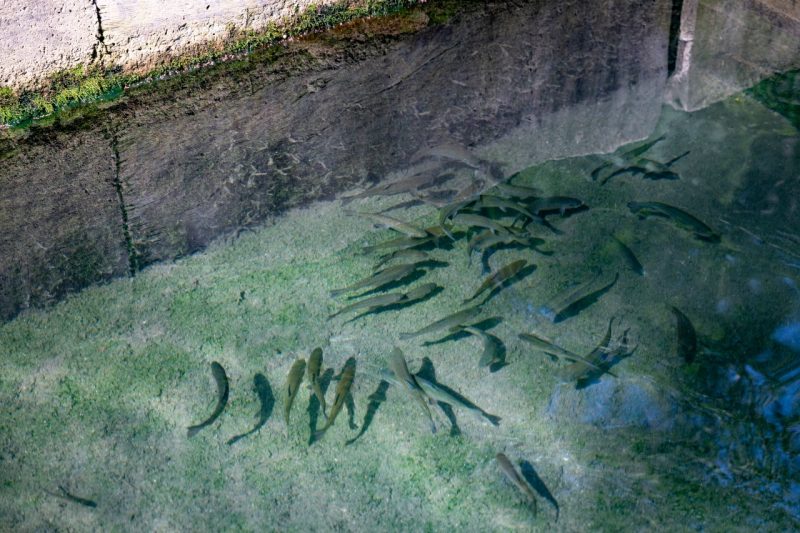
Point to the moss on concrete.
(72, 90)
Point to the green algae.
(84, 88)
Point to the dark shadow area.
(533, 479)
(350, 405)
(375, 399)
(314, 407)
(267, 402)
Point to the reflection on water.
(622, 355)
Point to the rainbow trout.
(342, 390)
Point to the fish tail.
(493, 419)
(406, 336)
(319, 434)
(337, 292)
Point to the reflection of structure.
(163, 175)
(729, 45)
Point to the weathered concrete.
(218, 153)
(38, 37)
(143, 34)
(729, 45)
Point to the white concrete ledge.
(40, 37)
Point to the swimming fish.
(559, 204)
(312, 373)
(380, 278)
(629, 256)
(418, 293)
(222, 392)
(293, 381)
(581, 298)
(391, 222)
(471, 220)
(516, 479)
(517, 191)
(372, 302)
(460, 318)
(441, 394)
(504, 205)
(406, 254)
(71, 497)
(623, 158)
(492, 347)
(499, 277)
(687, 336)
(400, 243)
(264, 392)
(397, 362)
(552, 349)
(678, 216)
(342, 390)
(449, 211)
(578, 369)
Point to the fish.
(517, 191)
(408, 179)
(373, 302)
(629, 256)
(581, 298)
(312, 373)
(623, 158)
(380, 278)
(451, 210)
(418, 293)
(264, 392)
(578, 369)
(293, 381)
(406, 254)
(443, 394)
(552, 349)
(470, 220)
(398, 365)
(486, 239)
(560, 204)
(342, 390)
(504, 205)
(687, 336)
(452, 151)
(222, 393)
(497, 278)
(460, 318)
(649, 169)
(642, 148)
(492, 347)
(391, 222)
(401, 243)
(71, 497)
(678, 216)
(516, 479)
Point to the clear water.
(98, 392)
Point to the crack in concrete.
(100, 47)
(134, 263)
(674, 35)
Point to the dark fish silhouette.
(687, 336)
(267, 401)
(222, 391)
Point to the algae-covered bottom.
(98, 392)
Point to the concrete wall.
(726, 46)
(39, 37)
(165, 173)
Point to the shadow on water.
(313, 404)
(350, 405)
(533, 479)
(377, 397)
(267, 401)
